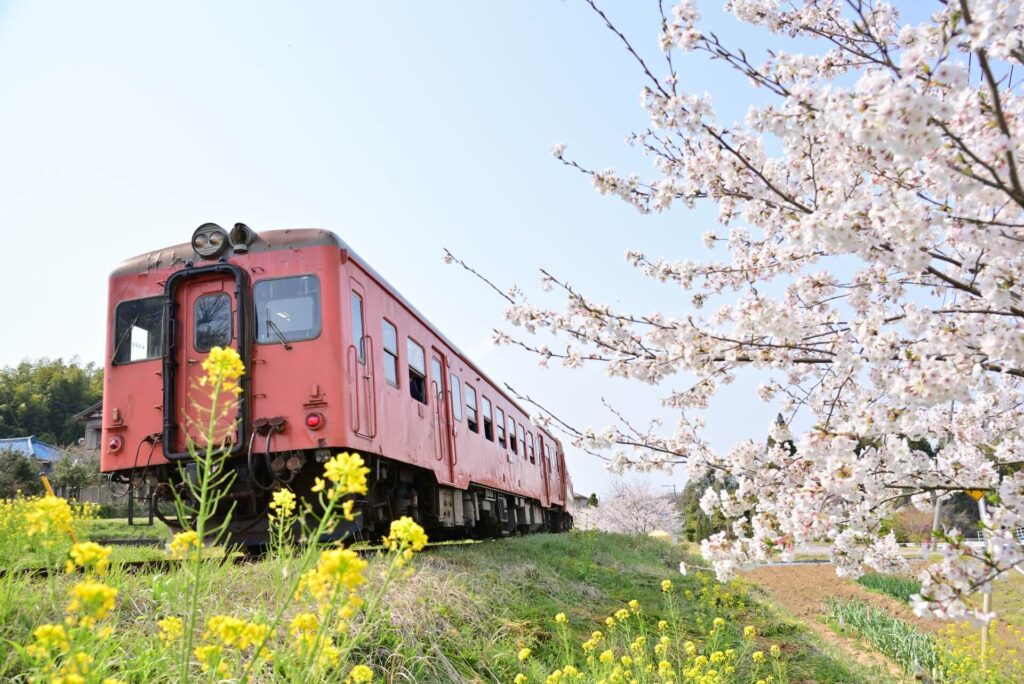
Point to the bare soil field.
(801, 590)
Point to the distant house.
(92, 419)
(45, 453)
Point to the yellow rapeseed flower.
(49, 518)
(405, 534)
(348, 473)
(758, 657)
(662, 625)
(666, 585)
(282, 504)
(211, 655)
(360, 673)
(223, 365)
(634, 605)
(520, 679)
(184, 543)
(304, 623)
(171, 629)
(49, 639)
(75, 669)
(607, 656)
(337, 570)
(561, 619)
(775, 651)
(749, 632)
(89, 556)
(91, 601)
(524, 653)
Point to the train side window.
(471, 420)
(211, 321)
(522, 439)
(287, 309)
(530, 447)
(390, 338)
(138, 330)
(456, 396)
(417, 371)
(512, 435)
(485, 406)
(499, 421)
(357, 326)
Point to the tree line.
(40, 399)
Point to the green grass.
(462, 616)
(901, 588)
(118, 528)
(910, 649)
(522, 583)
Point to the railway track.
(235, 558)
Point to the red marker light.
(115, 444)
(314, 421)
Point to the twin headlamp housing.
(210, 241)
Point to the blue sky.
(404, 128)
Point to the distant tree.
(698, 525)
(631, 508)
(76, 469)
(912, 525)
(18, 473)
(592, 500)
(42, 397)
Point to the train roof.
(291, 238)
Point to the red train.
(336, 359)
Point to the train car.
(336, 359)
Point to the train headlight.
(209, 240)
(315, 421)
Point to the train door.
(206, 314)
(542, 448)
(443, 428)
(361, 367)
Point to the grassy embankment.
(467, 611)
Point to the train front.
(273, 297)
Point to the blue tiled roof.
(30, 446)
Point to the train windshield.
(138, 330)
(287, 309)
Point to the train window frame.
(271, 338)
(421, 380)
(499, 423)
(391, 359)
(455, 387)
(195, 321)
(547, 456)
(488, 417)
(472, 416)
(358, 320)
(522, 439)
(531, 448)
(121, 335)
(511, 429)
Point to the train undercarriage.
(395, 489)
